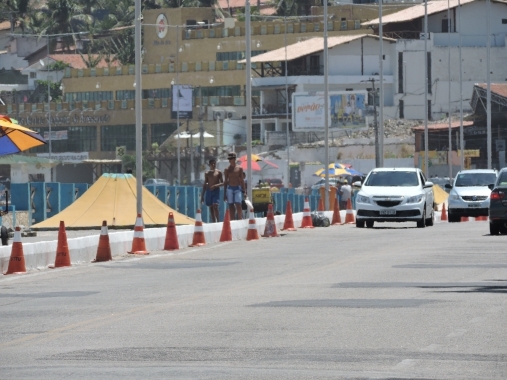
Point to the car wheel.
(359, 223)
(494, 229)
(454, 218)
(369, 223)
(422, 223)
(429, 221)
(4, 235)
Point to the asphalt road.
(394, 302)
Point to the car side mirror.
(428, 184)
(357, 184)
(491, 186)
(448, 186)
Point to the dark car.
(274, 182)
(498, 205)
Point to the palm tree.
(16, 11)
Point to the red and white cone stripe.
(17, 235)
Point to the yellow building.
(185, 46)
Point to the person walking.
(234, 186)
(213, 180)
(345, 192)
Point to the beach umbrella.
(332, 170)
(255, 166)
(15, 138)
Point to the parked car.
(395, 195)
(156, 181)
(274, 182)
(322, 182)
(498, 204)
(469, 195)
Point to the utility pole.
(378, 162)
(201, 131)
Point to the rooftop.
(442, 126)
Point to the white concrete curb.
(84, 249)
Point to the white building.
(354, 62)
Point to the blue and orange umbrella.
(15, 138)
(332, 170)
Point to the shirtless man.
(234, 186)
(211, 189)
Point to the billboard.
(181, 101)
(347, 110)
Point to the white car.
(469, 195)
(395, 195)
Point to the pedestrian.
(213, 180)
(234, 186)
(345, 192)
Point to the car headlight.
(362, 199)
(415, 199)
(454, 196)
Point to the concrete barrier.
(40, 255)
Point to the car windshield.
(502, 179)
(392, 178)
(475, 179)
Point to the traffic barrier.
(198, 238)
(226, 234)
(171, 236)
(481, 218)
(252, 233)
(321, 205)
(17, 260)
(270, 227)
(104, 249)
(62, 249)
(464, 219)
(337, 219)
(138, 243)
(443, 216)
(288, 224)
(307, 217)
(349, 216)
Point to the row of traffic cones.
(444, 217)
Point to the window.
(33, 74)
(79, 139)
(160, 132)
(446, 26)
(119, 135)
(504, 21)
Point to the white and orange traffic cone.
(103, 249)
(198, 238)
(139, 244)
(443, 216)
(171, 237)
(252, 233)
(226, 234)
(288, 224)
(17, 260)
(270, 227)
(307, 216)
(337, 219)
(62, 249)
(349, 216)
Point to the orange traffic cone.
(138, 243)
(337, 219)
(443, 217)
(104, 249)
(17, 260)
(171, 237)
(307, 217)
(62, 249)
(288, 224)
(349, 217)
(464, 219)
(198, 238)
(321, 205)
(252, 234)
(270, 228)
(226, 228)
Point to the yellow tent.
(113, 198)
(440, 194)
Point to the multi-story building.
(182, 46)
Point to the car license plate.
(387, 212)
(474, 205)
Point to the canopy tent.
(113, 198)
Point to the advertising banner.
(181, 101)
(347, 110)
